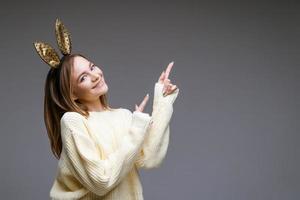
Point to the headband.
(47, 53)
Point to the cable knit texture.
(102, 154)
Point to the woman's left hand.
(168, 88)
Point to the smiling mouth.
(98, 84)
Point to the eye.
(94, 66)
(82, 78)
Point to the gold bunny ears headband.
(47, 53)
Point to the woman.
(100, 149)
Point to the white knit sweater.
(102, 154)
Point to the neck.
(94, 105)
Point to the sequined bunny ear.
(63, 37)
(47, 53)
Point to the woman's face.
(87, 80)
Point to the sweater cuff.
(160, 99)
(140, 120)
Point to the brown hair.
(58, 100)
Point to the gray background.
(235, 126)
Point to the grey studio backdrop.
(235, 126)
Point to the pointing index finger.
(168, 70)
(144, 102)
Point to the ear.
(63, 37)
(47, 53)
(74, 97)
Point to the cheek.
(82, 90)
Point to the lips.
(100, 83)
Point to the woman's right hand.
(141, 107)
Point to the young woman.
(100, 149)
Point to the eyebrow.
(90, 64)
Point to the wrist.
(159, 98)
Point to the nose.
(95, 76)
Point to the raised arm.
(97, 174)
(156, 143)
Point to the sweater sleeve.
(156, 143)
(100, 175)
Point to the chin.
(103, 90)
